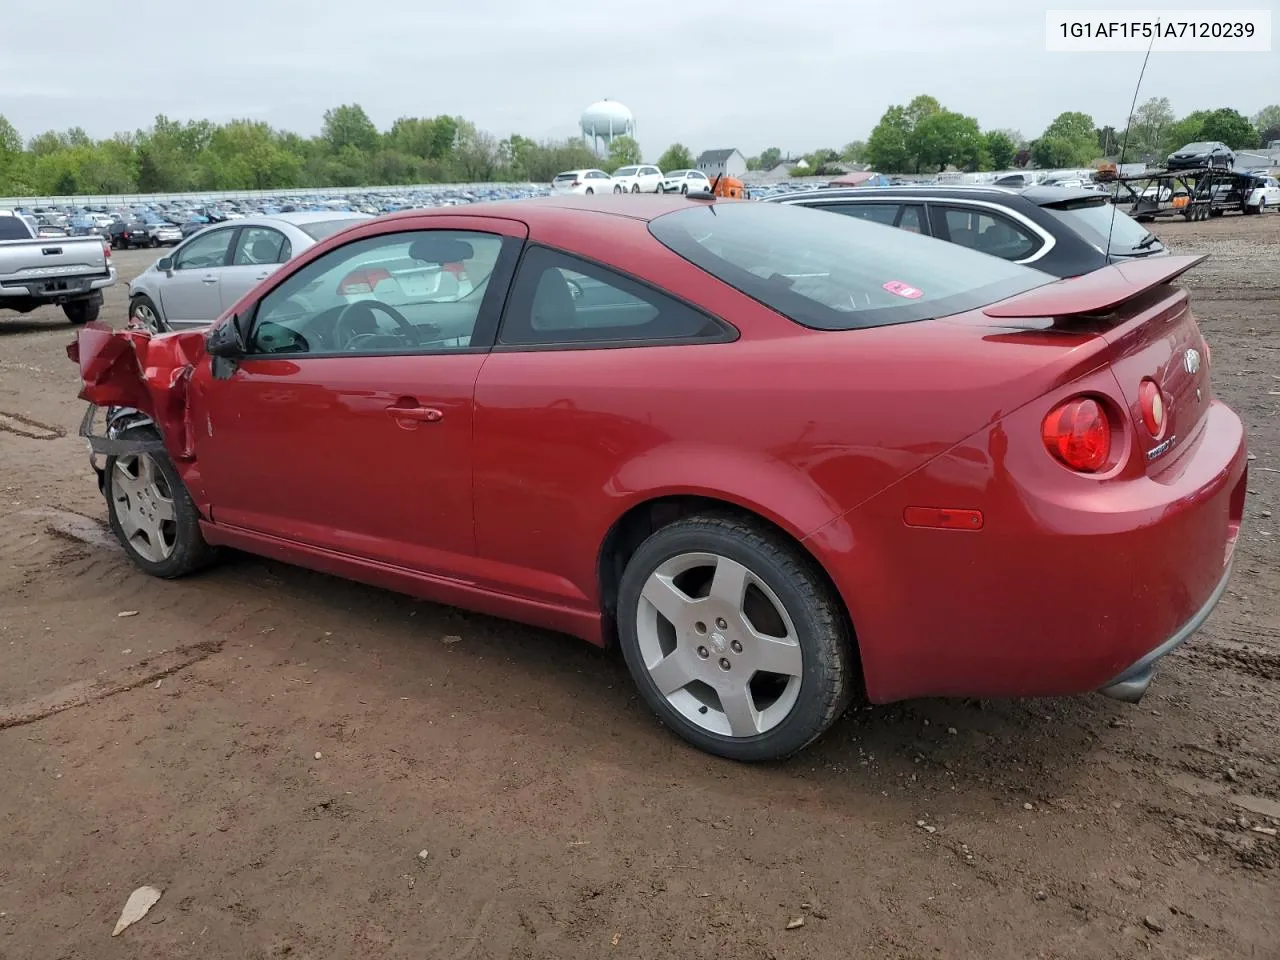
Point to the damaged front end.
(139, 379)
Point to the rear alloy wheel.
(590, 191)
(733, 638)
(144, 311)
(635, 188)
(151, 512)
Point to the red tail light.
(1152, 403)
(106, 249)
(1078, 433)
(362, 281)
(576, 183)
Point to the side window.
(885, 213)
(560, 299)
(418, 291)
(986, 232)
(912, 219)
(259, 245)
(205, 251)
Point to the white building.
(729, 163)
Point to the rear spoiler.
(1095, 292)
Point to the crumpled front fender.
(152, 374)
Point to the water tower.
(604, 121)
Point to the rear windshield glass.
(320, 229)
(837, 273)
(1096, 219)
(566, 176)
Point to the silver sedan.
(215, 267)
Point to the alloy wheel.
(719, 645)
(144, 507)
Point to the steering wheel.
(348, 338)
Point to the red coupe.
(780, 457)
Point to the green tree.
(1000, 149)
(10, 139)
(1267, 117)
(623, 152)
(349, 126)
(943, 138)
(887, 147)
(854, 152)
(678, 157)
(770, 157)
(1149, 128)
(1071, 140)
(1230, 127)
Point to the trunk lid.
(1150, 331)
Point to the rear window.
(11, 228)
(566, 176)
(1093, 220)
(837, 273)
(320, 229)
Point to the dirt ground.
(274, 749)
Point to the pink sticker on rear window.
(903, 290)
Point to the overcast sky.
(748, 73)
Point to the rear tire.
(756, 660)
(590, 191)
(635, 188)
(151, 512)
(82, 311)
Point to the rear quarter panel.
(796, 425)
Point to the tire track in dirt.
(21, 426)
(85, 692)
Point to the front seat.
(553, 306)
(264, 250)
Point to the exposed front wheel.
(618, 188)
(734, 638)
(144, 312)
(82, 311)
(151, 512)
(684, 188)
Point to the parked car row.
(633, 179)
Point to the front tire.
(82, 311)
(684, 188)
(734, 638)
(151, 512)
(618, 188)
(143, 309)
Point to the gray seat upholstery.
(553, 306)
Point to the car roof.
(632, 206)
(1039, 195)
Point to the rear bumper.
(1071, 586)
(1131, 685)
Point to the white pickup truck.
(70, 272)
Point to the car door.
(189, 294)
(257, 252)
(347, 429)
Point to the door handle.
(262, 276)
(209, 279)
(420, 414)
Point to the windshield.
(320, 229)
(626, 172)
(1095, 220)
(837, 273)
(1196, 148)
(676, 173)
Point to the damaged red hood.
(132, 368)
